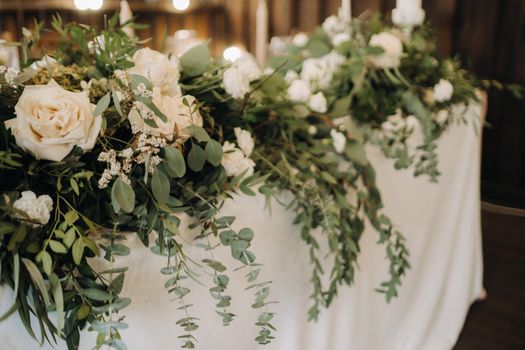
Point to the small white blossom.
(236, 82)
(143, 91)
(443, 91)
(245, 141)
(299, 91)
(340, 38)
(392, 47)
(441, 117)
(312, 130)
(11, 75)
(235, 162)
(38, 209)
(318, 103)
(290, 76)
(300, 40)
(339, 140)
(333, 25)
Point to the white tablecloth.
(440, 221)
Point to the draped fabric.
(441, 222)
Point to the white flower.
(443, 91)
(339, 140)
(312, 130)
(179, 117)
(300, 40)
(319, 71)
(340, 38)
(291, 75)
(44, 62)
(235, 162)
(38, 209)
(299, 91)
(318, 103)
(249, 67)
(392, 47)
(245, 141)
(236, 82)
(333, 25)
(51, 121)
(441, 117)
(157, 68)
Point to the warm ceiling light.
(89, 4)
(232, 54)
(181, 5)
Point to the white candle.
(346, 8)
(124, 16)
(409, 4)
(261, 32)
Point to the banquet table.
(441, 222)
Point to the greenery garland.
(172, 141)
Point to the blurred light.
(232, 54)
(181, 5)
(89, 4)
(185, 34)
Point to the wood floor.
(498, 323)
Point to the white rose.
(443, 91)
(339, 140)
(268, 71)
(300, 40)
(245, 141)
(179, 117)
(291, 75)
(318, 103)
(333, 25)
(392, 47)
(249, 67)
(235, 162)
(157, 68)
(38, 209)
(236, 82)
(340, 38)
(44, 62)
(299, 91)
(51, 121)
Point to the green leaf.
(198, 133)
(318, 48)
(356, 152)
(97, 294)
(83, 312)
(160, 186)
(78, 250)
(37, 279)
(71, 217)
(196, 158)
(214, 152)
(58, 297)
(102, 105)
(195, 61)
(216, 265)
(174, 161)
(47, 262)
(57, 247)
(246, 234)
(122, 196)
(116, 102)
(69, 238)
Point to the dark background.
(489, 35)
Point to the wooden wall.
(488, 34)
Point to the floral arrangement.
(389, 83)
(102, 139)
